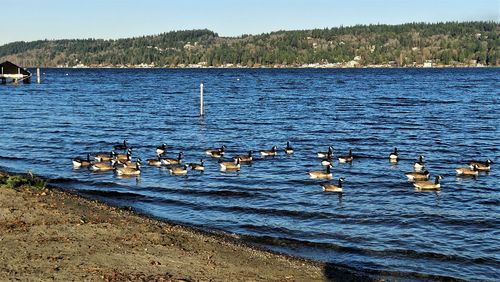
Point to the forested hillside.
(413, 44)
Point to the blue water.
(379, 223)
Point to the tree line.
(451, 43)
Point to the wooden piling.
(38, 79)
(202, 108)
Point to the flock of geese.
(122, 164)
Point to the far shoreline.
(263, 67)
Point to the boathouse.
(11, 73)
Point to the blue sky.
(56, 19)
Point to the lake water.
(380, 223)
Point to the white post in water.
(202, 109)
(38, 75)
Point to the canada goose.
(79, 162)
(394, 156)
(418, 176)
(155, 162)
(230, 166)
(199, 167)
(320, 174)
(328, 187)
(105, 157)
(129, 170)
(346, 159)
(327, 162)
(121, 158)
(178, 170)
(467, 171)
(327, 154)
(288, 149)
(245, 158)
(481, 166)
(272, 152)
(172, 161)
(132, 164)
(419, 165)
(429, 185)
(216, 153)
(123, 146)
(123, 161)
(160, 150)
(103, 166)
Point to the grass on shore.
(19, 180)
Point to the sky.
(30, 20)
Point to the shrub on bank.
(15, 181)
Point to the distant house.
(11, 73)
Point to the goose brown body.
(103, 166)
(245, 158)
(230, 166)
(131, 163)
(178, 170)
(328, 187)
(481, 166)
(429, 185)
(321, 174)
(199, 167)
(129, 170)
(216, 153)
(467, 171)
(417, 176)
(122, 158)
(346, 159)
(105, 157)
(267, 153)
(327, 154)
(155, 162)
(79, 162)
(173, 161)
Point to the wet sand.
(48, 234)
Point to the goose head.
(340, 181)
(438, 179)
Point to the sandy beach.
(49, 234)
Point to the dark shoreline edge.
(331, 271)
(262, 68)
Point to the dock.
(12, 73)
